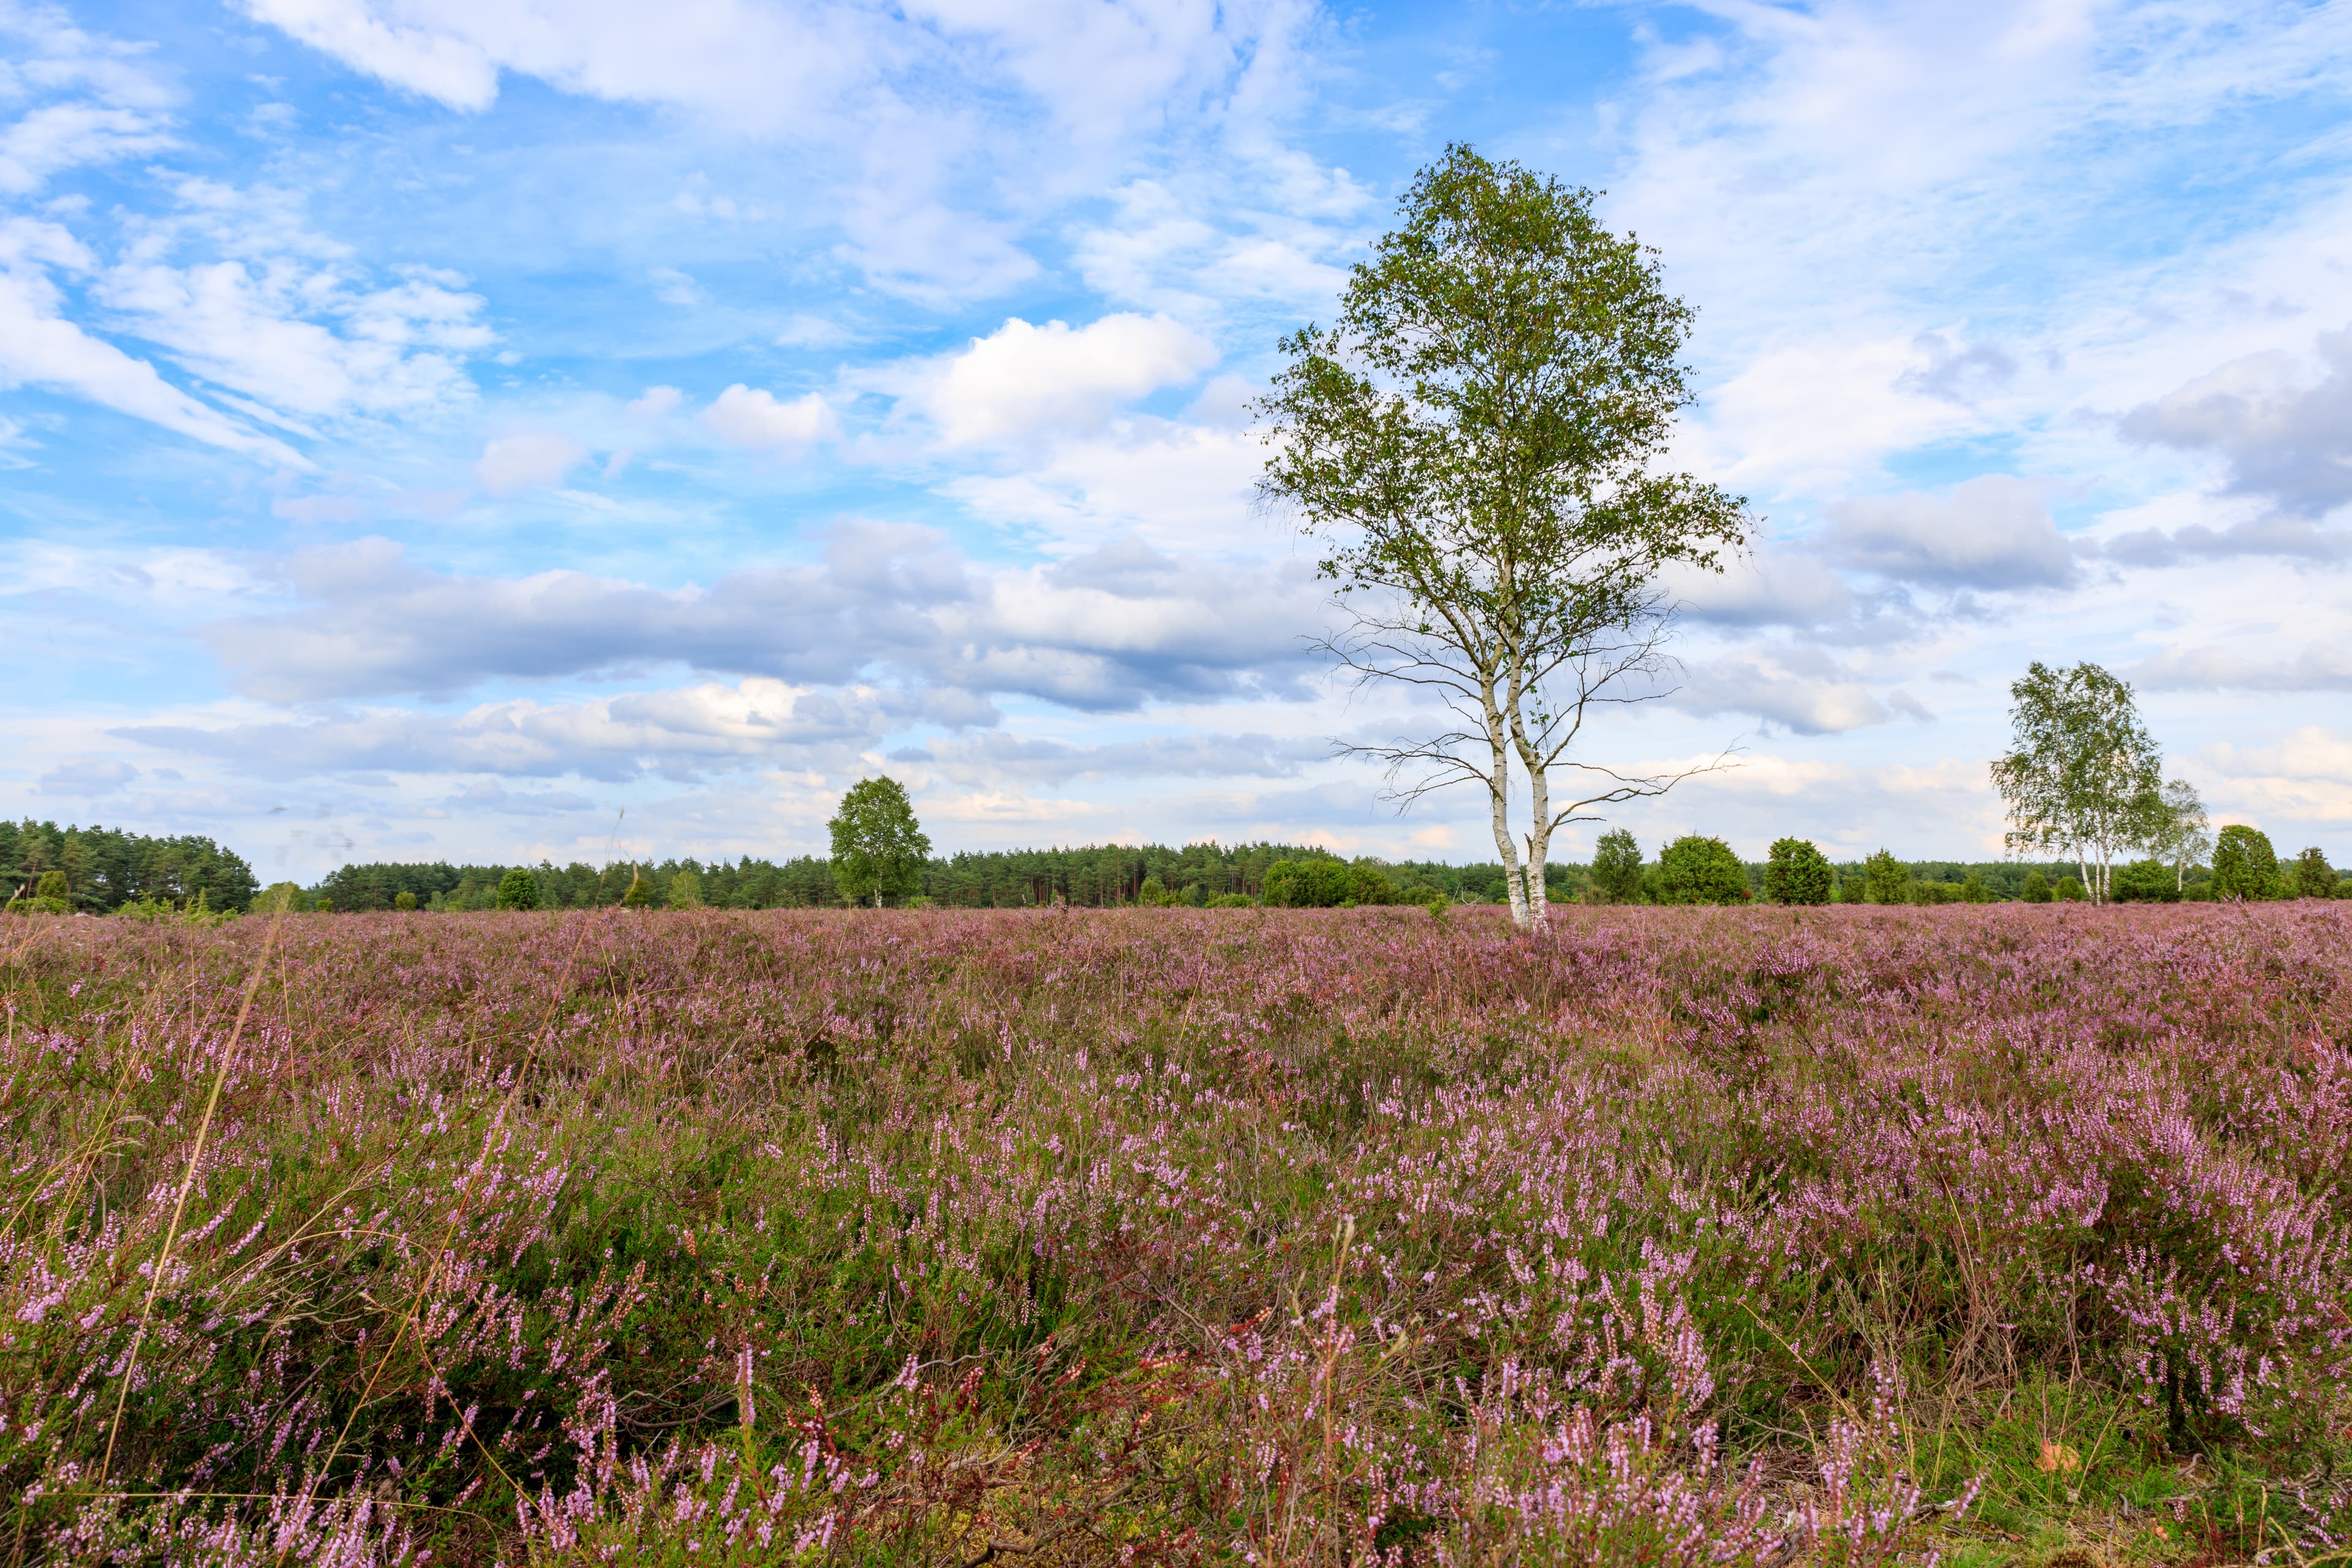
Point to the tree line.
(99, 870)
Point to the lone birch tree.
(1475, 442)
(2082, 775)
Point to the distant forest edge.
(107, 869)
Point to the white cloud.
(2285, 440)
(1993, 532)
(1021, 381)
(653, 403)
(526, 461)
(751, 416)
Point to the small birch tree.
(2082, 773)
(2183, 835)
(1474, 443)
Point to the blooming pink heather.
(1310, 1238)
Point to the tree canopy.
(2082, 775)
(878, 848)
(1475, 444)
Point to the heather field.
(2015, 1233)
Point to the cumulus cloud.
(1103, 631)
(88, 780)
(1989, 532)
(1799, 690)
(2286, 438)
(751, 416)
(994, 757)
(527, 462)
(1022, 380)
(653, 403)
(679, 733)
(1770, 588)
(2327, 668)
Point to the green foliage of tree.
(2310, 875)
(281, 897)
(107, 868)
(2181, 833)
(53, 885)
(2082, 775)
(1617, 866)
(1477, 443)
(685, 891)
(640, 892)
(879, 849)
(1321, 882)
(519, 889)
(2037, 887)
(1885, 879)
(1796, 872)
(2146, 882)
(2244, 864)
(404, 900)
(1974, 888)
(2070, 891)
(1694, 870)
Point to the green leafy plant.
(1797, 872)
(2244, 864)
(878, 848)
(2036, 889)
(403, 901)
(1885, 879)
(1617, 866)
(1696, 870)
(685, 891)
(2310, 875)
(640, 892)
(519, 889)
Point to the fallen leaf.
(2057, 1457)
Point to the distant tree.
(2070, 891)
(879, 849)
(1480, 443)
(404, 900)
(685, 891)
(2082, 775)
(2181, 833)
(1796, 872)
(1699, 870)
(2036, 889)
(1617, 866)
(1973, 890)
(1321, 882)
(2311, 877)
(54, 885)
(2244, 864)
(1885, 879)
(280, 898)
(519, 889)
(639, 892)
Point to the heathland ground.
(2017, 1233)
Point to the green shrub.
(2037, 889)
(2344, 888)
(1797, 873)
(640, 892)
(403, 901)
(1320, 883)
(2147, 882)
(519, 889)
(1973, 890)
(1230, 901)
(1617, 866)
(1885, 879)
(1696, 870)
(38, 905)
(53, 885)
(2070, 891)
(2244, 864)
(2311, 877)
(685, 891)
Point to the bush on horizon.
(2244, 865)
(1797, 872)
(1698, 870)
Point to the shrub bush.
(2147, 882)
(1885, 879)
(403, 901)
(685, 891)
(2311, 877)
(2070, 891)
(519, 889)
(1696, 870)
(54, 886)
(1796, 872)
(1320, 883)
(1617, 866)
(2244, 864)
(2037, 889)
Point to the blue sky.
(491, 428)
